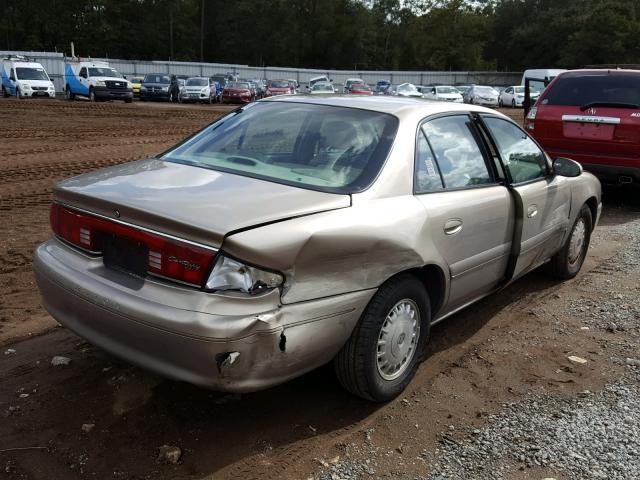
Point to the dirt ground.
(506, 347)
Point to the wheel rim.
(577, 241)
(397, 339)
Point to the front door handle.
(532, 211)
(452, 226)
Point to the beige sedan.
(299, 231)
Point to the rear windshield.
(238, 85)
(279, 84)
(322, 87)
(447, 90)
(586, 89)
(320, 147)
(24, 73)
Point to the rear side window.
(456, 151)
(585, 89)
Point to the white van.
(23, 78)
(539, 78)
(96, 81)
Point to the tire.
(92, 95)
(500, 103)
(5, 94)
(68, 94)
(359, 365)
(567, 262)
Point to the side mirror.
(567, 167)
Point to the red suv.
(593, 117)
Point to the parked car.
(382, 86)
(592, 116)
(360, 89)
(237, 92)
(198, 89)
(221, 82)
(350, 81)
(513, 96)
(237, 260)
(391, 90)
(261, 86)
(24, 78)
(156, 86)
(136, 83)
(278, 87)
(95, 81)
(295, 86)
(408, 90)
(482, 95)
(318, 79)
(321, 88)
(463, 89)
(442, 93)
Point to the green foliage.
(350, 34)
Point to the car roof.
(601, 71)
(398, 106)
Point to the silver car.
(482, 95)
(298, 231)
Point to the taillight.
(529, 120)
(167, 257)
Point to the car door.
(470, 213)
(84, 80)
(506, 100)
(543, 200)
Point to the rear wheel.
(567, 262)
(68, 94)
(387, 345)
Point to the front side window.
(327, 148)
(456, 151)
(521, 156)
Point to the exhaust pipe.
(625, 179)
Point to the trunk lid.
(193, 203)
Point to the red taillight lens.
(167, 257)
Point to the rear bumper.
(608, 170)
(216, 341)
(613, 174)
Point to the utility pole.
(171, 31)
(202, 31)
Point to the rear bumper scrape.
(234, 350)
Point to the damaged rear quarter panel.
(340, 251)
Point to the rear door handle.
(532, 211)
(452, 226)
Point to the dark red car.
(278, 87)
(593, 117)
(360, 89)
(237, 92)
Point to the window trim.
(479, 142)
(548, 167)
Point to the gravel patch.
(594, 436)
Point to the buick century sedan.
(294, 232)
